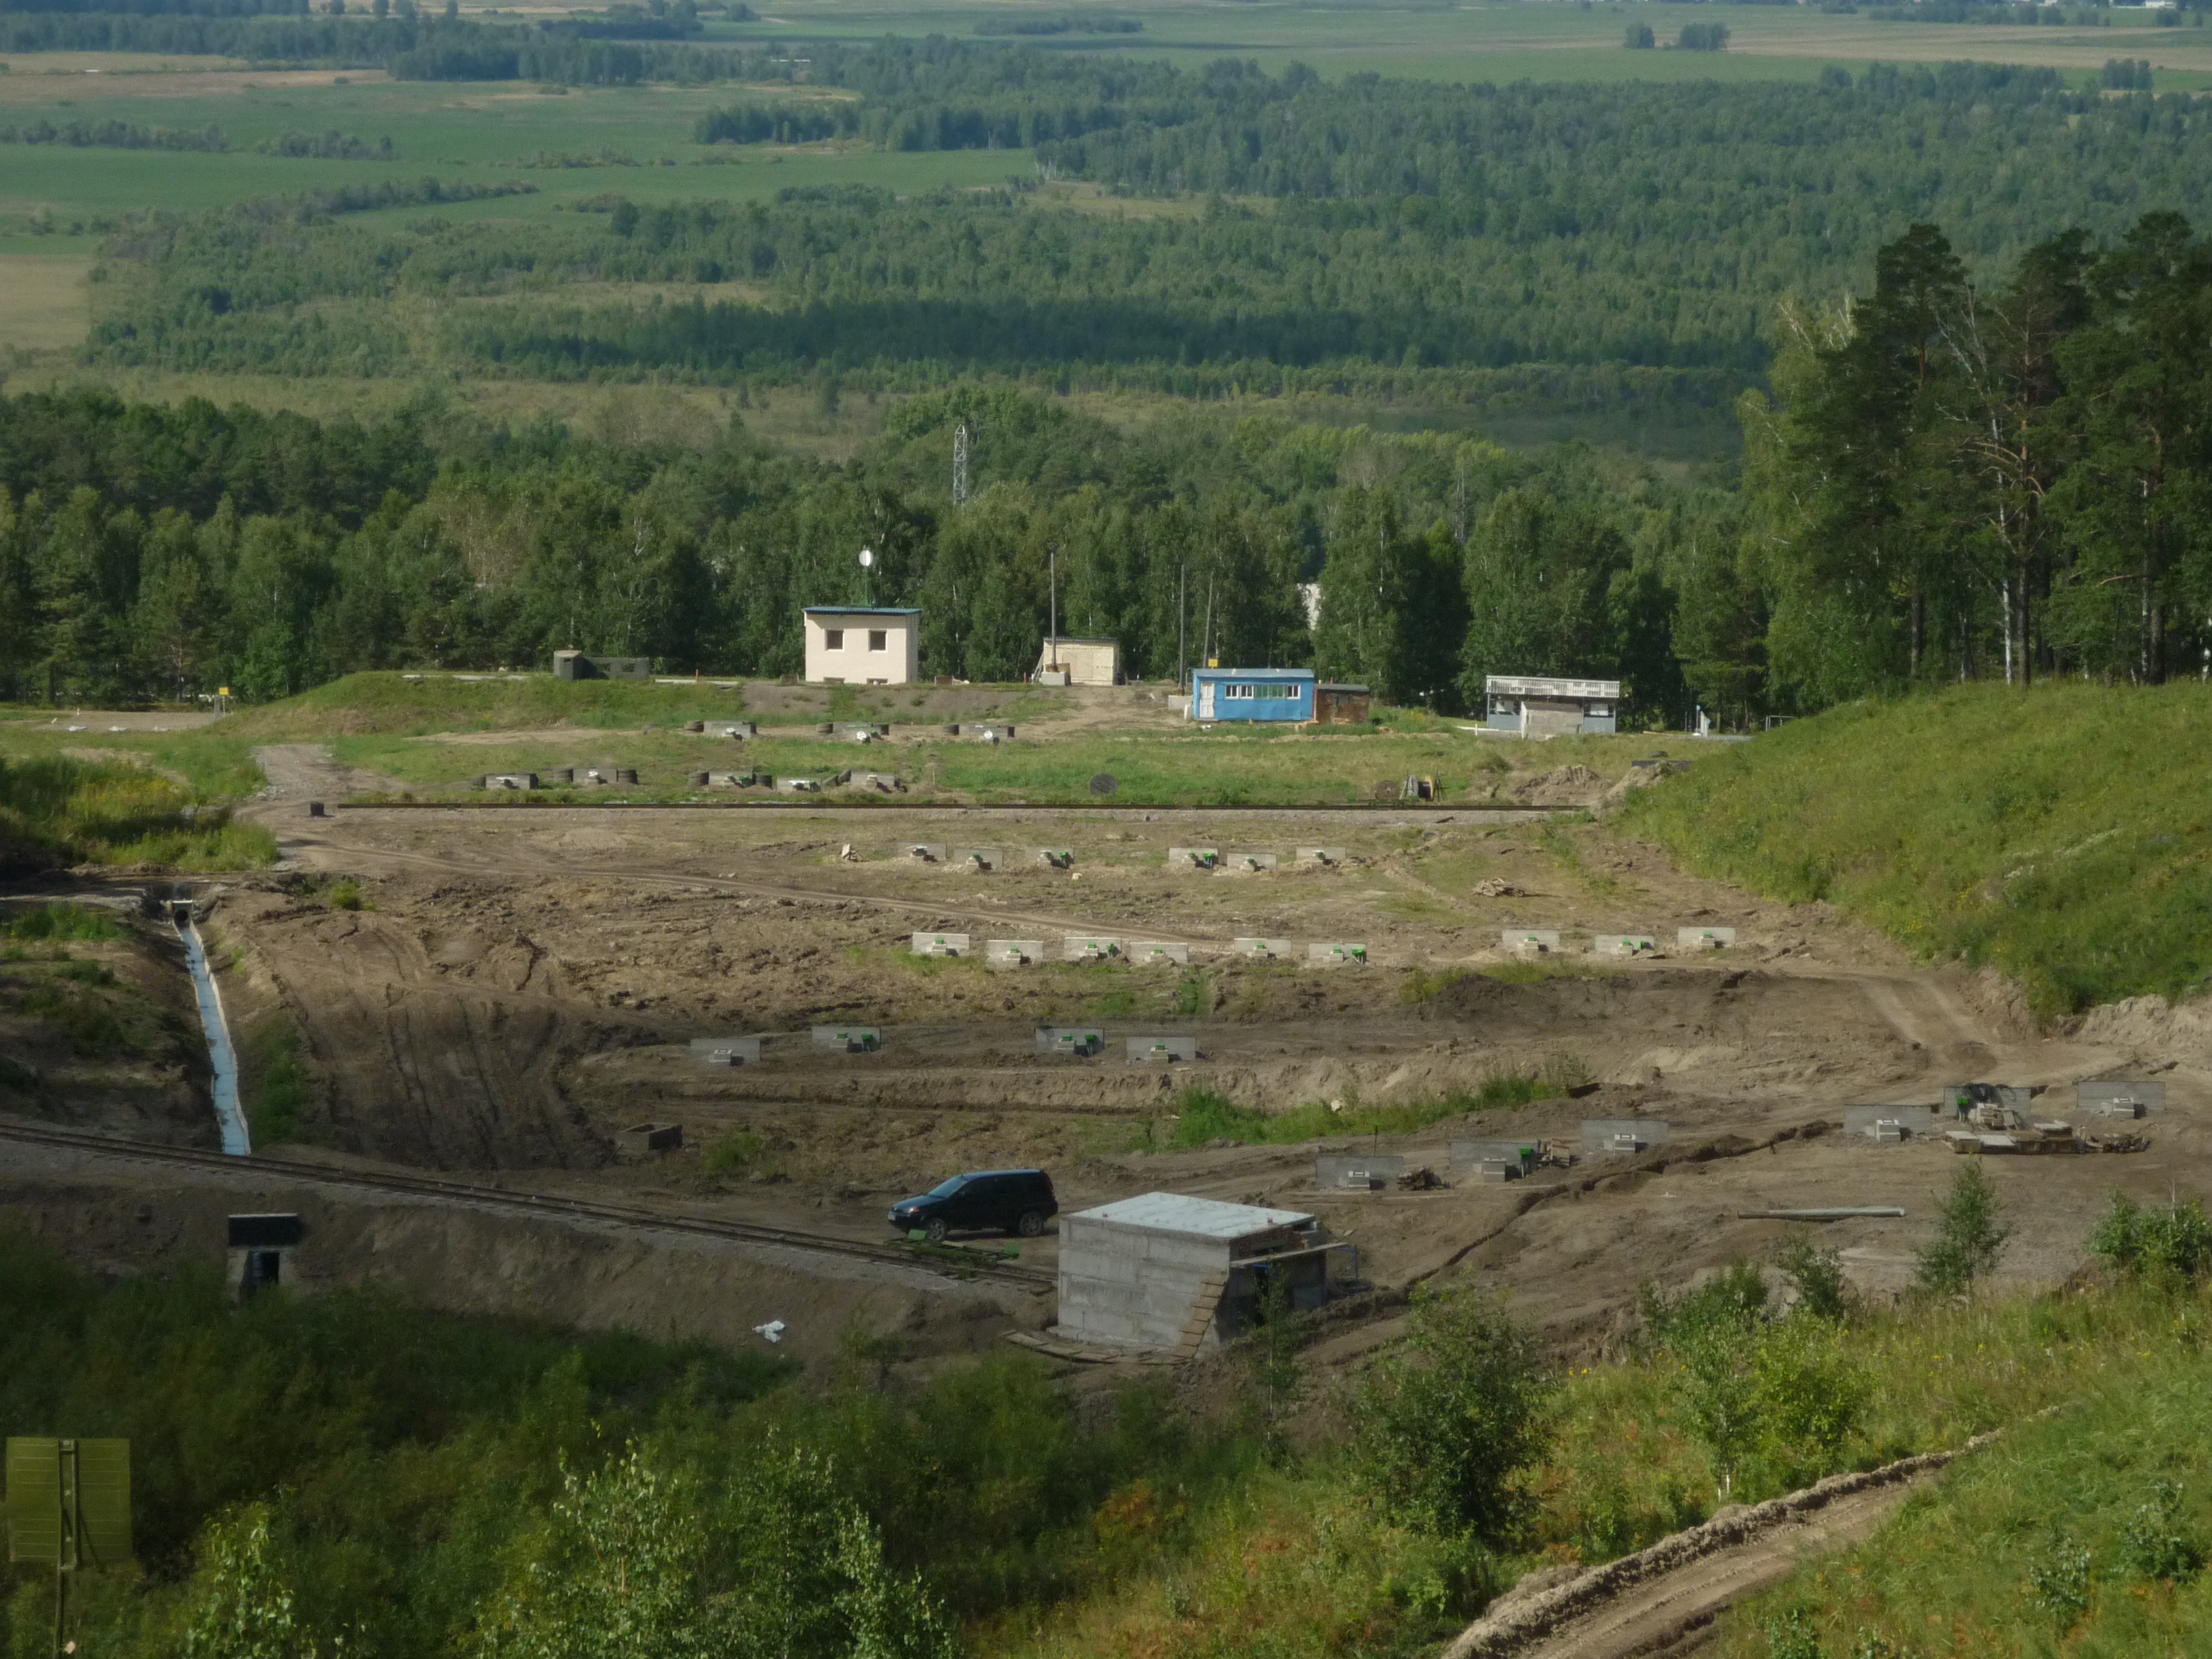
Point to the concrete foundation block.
(1248, 863)
(1359, 1172)
(1159, 953)
(642, 1139)
(1626, 945)
(1621, 1136)
(1146, 1050)
(939, 945)
(1703, 938)
(1341, 953)
(1268, 948)
(926, 852)
(1530, 941)
(1193, 858)
(848, 1039)
(1081, 1041)
(1089, 947)
(1056, 858)
(978, 857)
(1519, 1156)
(1323, 855)
(1013, 953)
(727, 1051)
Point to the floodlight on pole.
(867, 562)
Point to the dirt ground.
(519, 986)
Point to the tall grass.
(2062, 835)
(55, 810)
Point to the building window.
(833, 639)
(878, 639)
(1236, 690)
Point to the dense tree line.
(1403, 227)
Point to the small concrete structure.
(1013, 953)
(1627, 945)
(576, 666)
(1540, 706)
(1193, 858)
(888, 783)
(1080, 1040)
(848, 1039)
(1161, 1271)
(1330, 856)
(1249, 862)
(315, 809)
(1512, 1158)
(1144, 1051)
(1342, 953)
(976, 858)
(939, 945)
(625, 775)
(1338, 704)
(2108, 1097)
(1621, 1136)
(1089, 947)
(800, 786)
(862, 645)
(1529, 941)
(1065, 661)
(1157, 953)
(1281, 696)
(1703, 938)
(1891, 1126)
(727, 1051)
(1993, 1105)
(507, 780)
(1057, 858)
(1260, 947)
(259, 1250)
(643, 1140)
(1359, 1172)
(559, 777)
(926, 852)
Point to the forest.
(1948, 481)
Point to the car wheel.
(1030, 1225)
(933, 1229)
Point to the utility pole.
(1052, 587)
(1182, 620)
(960, 465)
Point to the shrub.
(64, 921)
(1640, 38)
(2171, 1247)
(1448, 1426)
(2157, 1543)
(1969, 1235)
(1817, 1275)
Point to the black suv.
(1018, 1200)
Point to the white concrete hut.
(1185, 1274)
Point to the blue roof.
(862, 611)
(1259, 673)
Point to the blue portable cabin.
(1251, 694)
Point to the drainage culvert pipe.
(222, 1056)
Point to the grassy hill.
(2062, 834)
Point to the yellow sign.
(222, 691)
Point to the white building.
(1085, 662)
(862, 645)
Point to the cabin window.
(833, 639)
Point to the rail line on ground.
(541, 1206)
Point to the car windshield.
(945, 1189)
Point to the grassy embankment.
(56, 810)
(407, 1461)
(2062, 835)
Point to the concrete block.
(1143, 1049)
(1248, 863)
(1193, 858)
(1157, 952)
(939, 945)
(926, 852)
(1621, 1136)
(510, 780)
(848, 1039)
(1902, 1123)
(740, 729)
(1359, 1172)
(1058, 858)
(1530, 941)
(888, 783)
(978, 857)
(1013, 953)
(2110, 1098)
(727, 1051)
(699, 780)
(625, 775)
(639, 1139)
(1703, 938)
(559, 778)
(1079, 1039)
(1341, 953)
(1496, 1171)
(1323, 855)
(1520, 1155)
(1626, 945)
(1259, 947)
(1089, 947)
(800, 786)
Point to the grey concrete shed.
(1169, 1272)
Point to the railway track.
(541, 1206)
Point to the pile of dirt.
(1565, 786)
